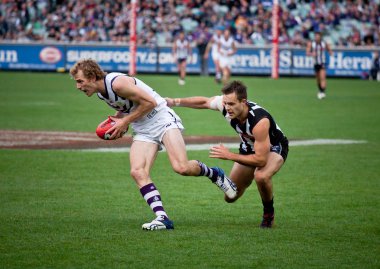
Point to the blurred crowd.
(344, 23)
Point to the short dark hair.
(236, 87)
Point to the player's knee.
(181, 169)
(138, 174)
(261, 178)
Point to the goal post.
(275, 50)
(132, 39)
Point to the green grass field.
(76, 209)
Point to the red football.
(103, 127)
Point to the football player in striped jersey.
(181, 52)
(317, 49)
(226, 49)
(263, 148)
(213, 44)
(154, 125)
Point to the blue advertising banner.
(32, 57)
(296, 61)
(117, 58)
(258, 61)
(341, 63)
(247, 61)
(109, 58)
(349, 63)
(252, 61)
(168, 64)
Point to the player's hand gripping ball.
(104, 126)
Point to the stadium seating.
(344, 23)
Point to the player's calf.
(183, 169)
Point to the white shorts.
(215, 55)
(154, 130)
(225, 61)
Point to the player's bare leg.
(263, 178)
(176, 149)
(226, 75)
(242, 176)
(321, 82)
(141, 165)
(182, 73)
(218, 72)
(322, 78)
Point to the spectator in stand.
(283, 37)
(239, 36)
(3, 27)
(257, 37)
(291, 4)
(297, 40)
(241, 22)
(181, 53)
(356, 38)
(288, 20)
(369, 37)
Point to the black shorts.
(281, 148)
(318, 67)
(181, 60)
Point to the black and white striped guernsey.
(320, 52)
(255, 114)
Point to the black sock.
(268, 206)
(321, 89)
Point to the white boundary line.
(197, 147)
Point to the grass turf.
(70, 209)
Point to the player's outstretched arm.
(198, 102)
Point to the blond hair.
(90, 69)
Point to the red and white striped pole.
(275, 26)
(132, 39)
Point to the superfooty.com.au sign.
(292, 61)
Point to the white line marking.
(325, 142)
(236, 145)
